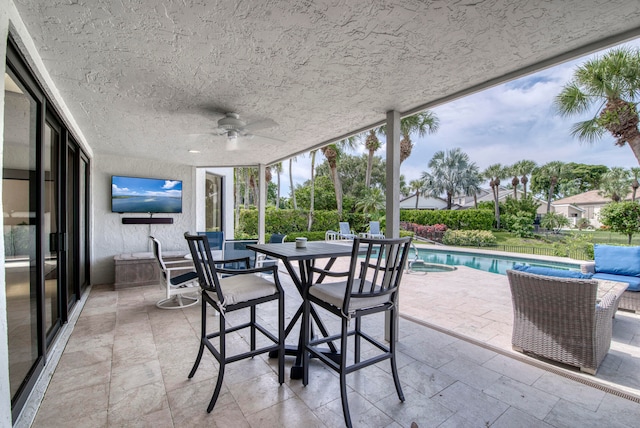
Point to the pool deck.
(476, 305)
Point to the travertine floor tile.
(126, 364)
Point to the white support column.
(392, 225)
(262, 200)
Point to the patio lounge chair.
(562, 319)
(374, 231)
(344, 233)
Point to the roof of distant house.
(591, 197)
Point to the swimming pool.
(486, 262)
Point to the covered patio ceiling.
(150, 78)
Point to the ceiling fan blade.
(261, 124)
(262, 137)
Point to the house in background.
(486, 195)
(424, 203)
(584, 205)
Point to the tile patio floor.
(126, 364)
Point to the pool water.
(486, 262)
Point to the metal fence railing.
(541, 251)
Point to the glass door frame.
(46, 114)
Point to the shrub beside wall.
(295, 221)
(468, 238)
(460, 220)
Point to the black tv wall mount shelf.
(147, 220)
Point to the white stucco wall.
(110, 237)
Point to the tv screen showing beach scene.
(145, 195)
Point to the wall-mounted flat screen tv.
(145, 195)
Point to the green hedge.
(294, 222)
(459, 220)
(477, 238)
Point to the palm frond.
(587, 130)
(572, 100)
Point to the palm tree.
(554, 171)
(422, 123)
(417, 186)
(615, 184)
(278, 169)
(333, 152)
(312, 191)
(425, 122)
(494, 173)
(372, 201)
(524, 168)
(447, 173)
(612, 84)
(471, 182)
(511, 170)
(293, 189)
(238, 188)
(635, 172)
(252, 183)
(372, 144)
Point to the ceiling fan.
(233, 127)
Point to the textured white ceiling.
(143, 78)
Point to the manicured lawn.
(607, 237)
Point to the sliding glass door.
(45, 202)
(19, 201)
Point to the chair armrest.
(177, 262)
(246, 260)
(588, 267)
(329, 272)
(173, 269)
(270, 268)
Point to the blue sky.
(504, 124)
(130, 186)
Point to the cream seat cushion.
(242, 288)
(333, 293)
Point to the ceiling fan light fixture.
(232, 135)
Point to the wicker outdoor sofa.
(616, 263)
(563, 319)
(630, 300)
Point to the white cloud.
(170, 184)
(504, 124)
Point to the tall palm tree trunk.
(549, 196)
(293, 190)
(369, 169)
(337, 185)
(237, 198)
(278, 192)
(496, 206)
(312, 191)
(246, 188)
